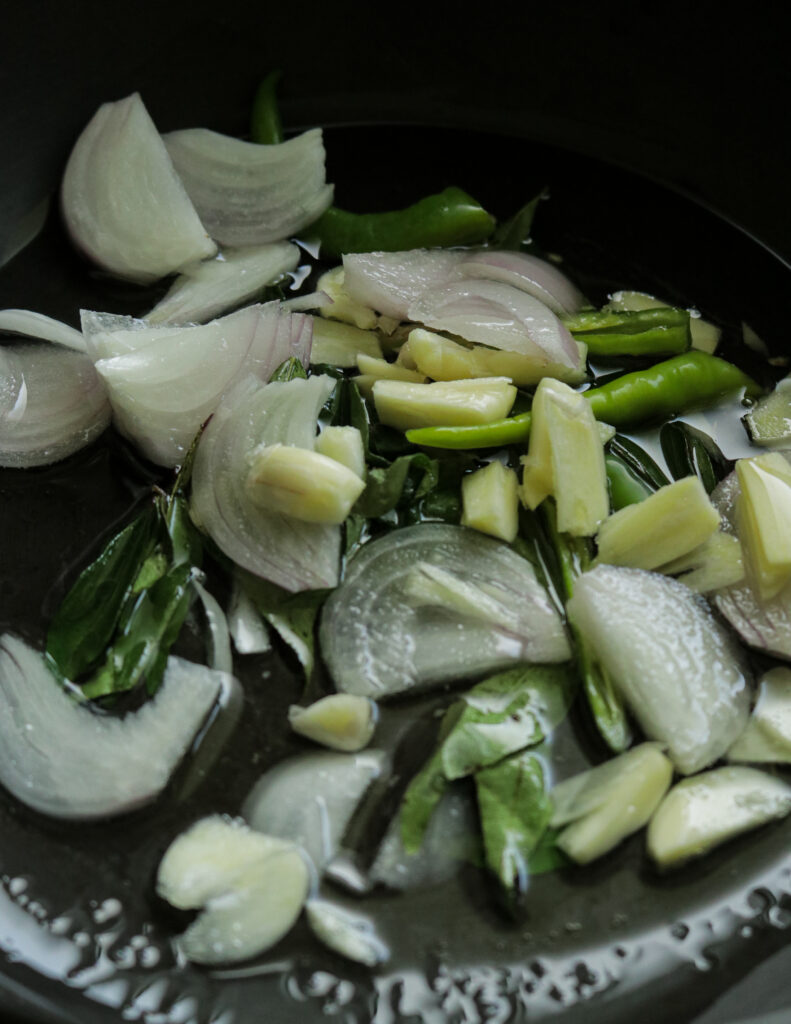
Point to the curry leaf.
(427, 787)
(288, 370)
(142, 649)
(515, 810)
(690, 452)
(386, 488)
(85, 622)
(505, 714)
(514, 233)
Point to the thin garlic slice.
(700, 813)
(351, 935)
(342, 721)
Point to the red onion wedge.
(165, 382)
(123, 202)
(44, 328)
(249, 194)
(678, 669)
(498, 315)
(52, 404)
(435, 603)
(67, 761)
(537, 277)
(763, 625)
(390, 282)
(295, 555)
(232, 278)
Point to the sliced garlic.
(251, 887)
(702, 812)
(345, 445)
(606, 804)
(349, 934)
(342, 721)
(302, 483)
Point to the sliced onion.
(681, 673)
(248, 629)
(36, 325)
(168, 382)
(114, 334)
(123, 202)
(379, 639)
(498, 315)
(52, 404)
(220, 658)
(67, 761)
(537, 277)
(230, 279)
(390, 282)
(764, 625)
(248, 194)
(310, 799)
(294, 554)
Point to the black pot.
(595, 102)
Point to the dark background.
(688, 93)
(691, 95)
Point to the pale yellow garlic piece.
(343, 307)
(339, 344)
(705, 810)
(714, 564)
(578, 469)
(537, 479)
(566, 459)
(372, 370)
(670, 523)
(250, 889)
(604, 805)
(342, 721)
(442, 359)
(405, 357)
(764, 515)
(381, 369)
(456, 403)
(302, 483)
(490, 501)
(345, 445)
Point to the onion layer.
(764, 625)
(165, 382)
(310, 799)
(293, 554)
(249, 194)
(530, 274)
(390, 627)
(52, 404)
(63, 759)
(123, 202)
(36, 325)
(234, 277)
(679, 670)
(498, 315)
